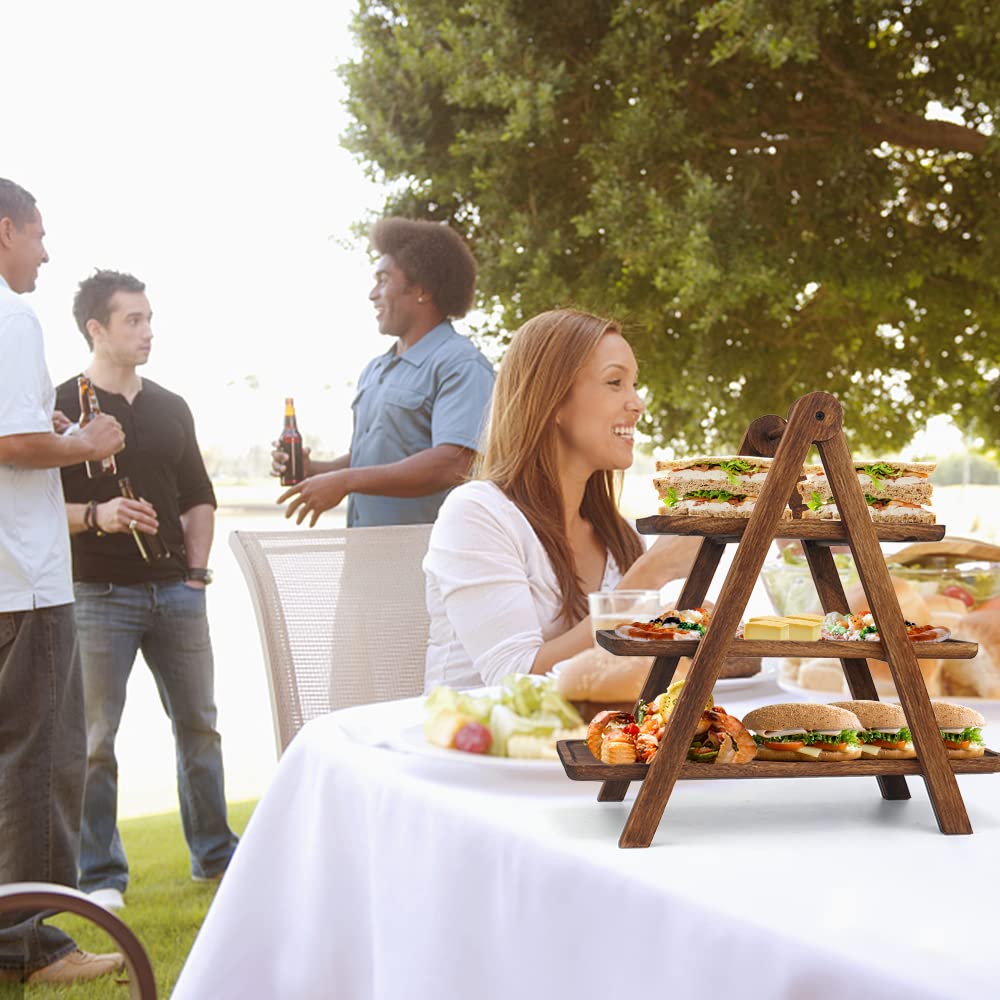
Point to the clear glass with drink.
(611, 608)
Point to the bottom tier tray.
(580, 765)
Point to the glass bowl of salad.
(789, 584)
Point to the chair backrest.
(342, 616)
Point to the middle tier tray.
(949, 649)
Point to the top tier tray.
(730, 529)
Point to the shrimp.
(736, 745)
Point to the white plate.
(989, 707)
(412, 740)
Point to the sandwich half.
(804, 731)
(960, 729)
(896, 492)
(878, 477)
(884, 733)
(711, 485)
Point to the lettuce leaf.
(444, 699)
(671, 499)
(879, 471)
(816, 501)
(971, 733)
(876, 734)
(713, 495)
(734, 467)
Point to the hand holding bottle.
(104, 436)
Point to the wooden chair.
(46, 896)
(342, 616)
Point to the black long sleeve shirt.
(162, 459)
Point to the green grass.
(164, 908)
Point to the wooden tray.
(950, 649)
(730, 529)
(580, 765)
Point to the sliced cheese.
(803, 631)
(805, 617)
(765, 630)
(809, 751)
(867, 750)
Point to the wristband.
(200, 575)
(90, 519)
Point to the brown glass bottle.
(290, 443)
(90, 408)
(150, 547)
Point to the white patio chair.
(342, 616)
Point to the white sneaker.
(110, 899)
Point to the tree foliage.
(774, 196)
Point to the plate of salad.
(514, 725)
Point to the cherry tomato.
(473, 737)
(959, 593)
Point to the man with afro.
(420, 407)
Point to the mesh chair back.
(342, 616)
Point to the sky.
(196, 145)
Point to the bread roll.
(911, 603)
(595, 680)
(979, 677)
(821, 674)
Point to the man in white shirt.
(43, 745)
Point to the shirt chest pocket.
(406, 415)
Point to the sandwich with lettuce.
(895, 492)
(804, 731)
(711, 485)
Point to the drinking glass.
(611, 608)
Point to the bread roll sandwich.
(595, 680)
(884, 734)
(711, 485)
(804, 731)
(895, 492)
(960, 729)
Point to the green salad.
(522, 705)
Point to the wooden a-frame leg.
(662, 671)
(942, 788)
(811, 417)
(858, 673)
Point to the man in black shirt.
(128, 600)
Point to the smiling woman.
(514, 553)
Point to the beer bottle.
(290, 443)
(151, 547)
(90, 408)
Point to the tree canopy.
(773, 196)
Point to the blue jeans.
(42, 754)
(167, 622)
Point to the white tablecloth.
(367, 872)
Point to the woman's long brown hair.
(520, 456)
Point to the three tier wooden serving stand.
(814, 419)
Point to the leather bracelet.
(90, 519)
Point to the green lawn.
(164, 908)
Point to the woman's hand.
(669, 558)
